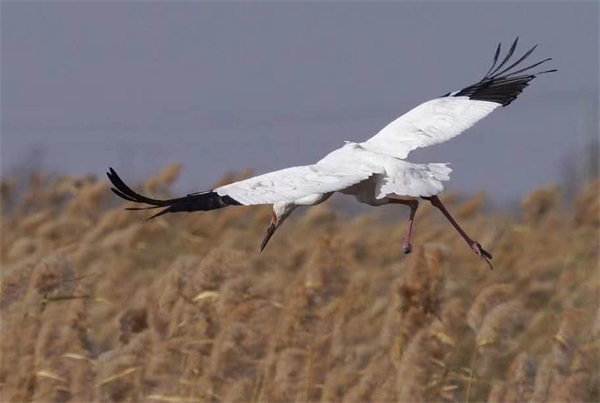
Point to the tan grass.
(98, 305)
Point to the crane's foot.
(482, 253)
(407, 249)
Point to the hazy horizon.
(222, 87)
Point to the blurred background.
(226, 87)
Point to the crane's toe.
(482, 253)
(407, 249)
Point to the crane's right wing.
(294, 183)
(335, 172)
(441, 119)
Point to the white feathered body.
(370, 176)
(375, 169)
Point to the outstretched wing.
(286, 185)
(443, 118)
(292, 184)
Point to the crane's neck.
(282, 210)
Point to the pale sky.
(229, 86)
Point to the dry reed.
(98, 305)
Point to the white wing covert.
(291, 184)
(443, 118)
(336, 171)
(430, 123)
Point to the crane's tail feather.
(203, 201)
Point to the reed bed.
(98, 305)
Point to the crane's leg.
(413, 204)
(476, 246)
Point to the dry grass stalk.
(520, 379)
(574, 388)
(487, 299)
(333, 311)
(501, 326)
(539, 203)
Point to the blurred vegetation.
(99, 305)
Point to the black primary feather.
(503, 86)
(507, 57)
(204, 201)
(495, 60)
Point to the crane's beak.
(270, 231)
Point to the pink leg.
(482, 253)
(413, 204)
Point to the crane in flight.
(375, 171)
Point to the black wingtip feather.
(496, 55)
(165, 211)
(508, 56)
(128, 194)
(525, 56)
(193, 202)
(122, 196)
(501, 85)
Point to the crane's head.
(281, 211)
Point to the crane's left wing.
(443, 118)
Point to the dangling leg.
(473, 244)
(413, 204)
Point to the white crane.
(373, 171)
